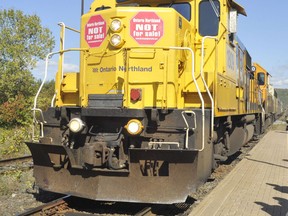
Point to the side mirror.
(233, 21)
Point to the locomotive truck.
(164, 92)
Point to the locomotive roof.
(233, 4)
(238, 7)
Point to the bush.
(12, 142)
(15, 181)
(15, 112)
(46, 95)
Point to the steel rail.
(40, 210)
(11, 160)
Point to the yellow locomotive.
(272, 107)
(165, 91)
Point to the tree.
(46, 95)
(23, 42)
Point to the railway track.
(18, 163)
(9, 161)
(145, 212)
(68, 205)
(55, 207)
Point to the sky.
(264, 32)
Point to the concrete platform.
(258, 185)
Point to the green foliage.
(13, 181)
(7, 182)
(23, 41)
(16, 83)
(15, 112)
(46, 95)
(12, 142)
(283, 96)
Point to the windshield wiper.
(214, 8)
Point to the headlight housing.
(116, 25)
(116, 40)
(76, 125)
(134, 127)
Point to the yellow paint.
(264, 87)
(70, 89)
(161, 70)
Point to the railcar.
(271, 105)
(165, 90)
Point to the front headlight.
(134, 127)
(116, 25)
(116, 40)
(76, 125)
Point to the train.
(270, 102)
(164, 93)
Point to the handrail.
(44, 79)
(46, 69)
(205, 84)
(61, 63)
(153, 144)
(261, 105)
(188, 127)
(34, 109)
(36, 121)
(198, 91)
(67, 27)
(62, 45)
(53, 99)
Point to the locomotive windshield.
(261, 78)
(182, 8)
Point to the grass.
(283, 96)
(14, 181)
(12, 145)
(12, 142)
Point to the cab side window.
(209, 15)
(261, 78)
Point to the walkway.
(258, 185)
